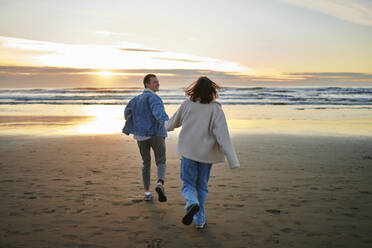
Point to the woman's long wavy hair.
(203, 89)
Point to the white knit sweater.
(204, 136)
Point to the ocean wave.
(230, 96)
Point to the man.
(145, 117)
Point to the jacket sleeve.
(221, 132)
(128, 111)
(157, 109)
(128, 115)
(176, 120)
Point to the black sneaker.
(160, 190)
(191, 211)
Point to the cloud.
(333, 76)
(58, 77)
(14, 70)
(357, 11)
(108, 33)
(90, 13)
(125, 56)
(182, 60)
(140, 50)
(27, 76)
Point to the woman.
(203, 141)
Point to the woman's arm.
(176, 120)
(221, 132)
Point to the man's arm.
(128, 110)
(157, 109)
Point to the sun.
(105, 73)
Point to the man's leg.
(158, 145)
(144, 147)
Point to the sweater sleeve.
(221, 132)
(175, 121)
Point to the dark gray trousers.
(158, 146)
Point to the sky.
(107, 43)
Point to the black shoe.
(160, 190)
(191, 211)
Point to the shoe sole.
(148, 198)
(162, 197)
(200, 227)
(188, 218)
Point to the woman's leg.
(202, 189)
(188, 176)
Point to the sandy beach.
(86, 191)
(294, 81)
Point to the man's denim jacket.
(145, 115)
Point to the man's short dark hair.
(147, 78)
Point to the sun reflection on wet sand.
(66, 120)
(108, 119)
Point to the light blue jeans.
(195, 176)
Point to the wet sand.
(86, 191)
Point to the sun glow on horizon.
(105, 74)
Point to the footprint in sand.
(227, 235)
(28, 193)
(121, 204)
(78, 211)
(60, 179)
(133, 217)
(44, 211)
(364, 192)
(286, 230)
(274, 238)
(273, 211)
(155, 243)
(348, 215)
(70, 236)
